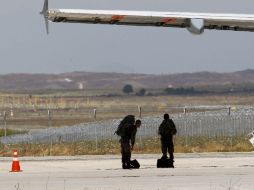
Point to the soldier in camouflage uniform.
(166, 130)
(127, 143)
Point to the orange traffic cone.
(15, 163)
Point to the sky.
(26, 48)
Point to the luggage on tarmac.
(165, 163)
(134, 164)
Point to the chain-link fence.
(217, 123)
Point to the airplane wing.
(196, 23)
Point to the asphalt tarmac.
(211, 171)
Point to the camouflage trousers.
(126, 151)
(167, 147)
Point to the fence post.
(140, 111)
(49, 117)
(95, 130)
(184, 110)
(11, 113)
(229, 110)
(5, 128)
(94, 113)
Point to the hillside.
(92, 80)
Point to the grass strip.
(144, 146)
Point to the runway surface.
(211, 171)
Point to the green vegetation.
(141, 92)
(183, 91)
(127, 89)
(10, 132)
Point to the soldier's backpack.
(128, 120)
(165, 163)
(134, 164)
(167, 128)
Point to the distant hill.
(92, 80)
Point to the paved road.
(213, 171)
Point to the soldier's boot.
(171, 157)
(126, 165)
(164, 157)
(171, 160)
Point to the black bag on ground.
(165, 163)
(134, 164)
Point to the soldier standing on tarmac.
(127, 143)
(166, 130)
